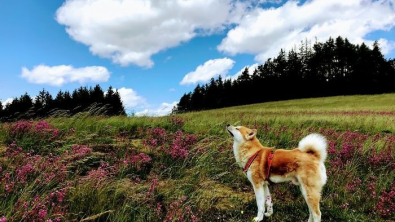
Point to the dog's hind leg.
(312, 195)
(268, 201)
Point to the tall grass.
(96, 168)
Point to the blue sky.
(154, 52)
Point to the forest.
(65, 104)
(335, 67)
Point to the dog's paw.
(268, 214)
(256, 219)
(269, 210)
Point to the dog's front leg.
(268, 201)
(259, 195)
(260, 200)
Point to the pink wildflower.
(42, 213)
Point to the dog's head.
(241, 134)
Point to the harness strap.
(247, 166)
(269, 165)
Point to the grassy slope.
(215, 188)
(341, 113)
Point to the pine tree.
(67, 101)
(339, 58)
(117, 105)
(197, 98)
(184, 104)
(59, 100)
(294, 65)
(211, 94)
(39, 104)
(280, 65)
(244, 77)
(377, 61)
(254, 76)
(84, 98)
(363, 65)
(329, 58)
(109, 95)
(25, 103)
(96, 94)
(48, 102)
(228, 97)
(114, 103)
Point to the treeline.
(335, 67)
(65, 103)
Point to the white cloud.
(59, 75)
(163, 110)
(264, 31)
(210, 69)
(386, 46)
(7, 101)
(251, 70)
(130, 32)
(131, 99)
(268, 1)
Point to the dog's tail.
(315, 144)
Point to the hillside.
(331, 68)
(182, 167)
(370, 113)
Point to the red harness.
(269, 163)
(250, 162)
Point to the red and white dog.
(303, 166)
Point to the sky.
(154, 51)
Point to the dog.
(303, 166)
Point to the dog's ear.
(251, 134)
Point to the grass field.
(181, 168)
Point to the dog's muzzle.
(229, 130)
(230, 133)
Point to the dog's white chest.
(236, 153)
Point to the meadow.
(182, 168)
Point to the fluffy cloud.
(7, 101)
(210, 69)
(264, 31)
(59, 75)
(163, 110)
(385, 45)
(130, 32)
(131, 99)
(251, 70)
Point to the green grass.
(214, 187)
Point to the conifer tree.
(334, 67)
(114, 103)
